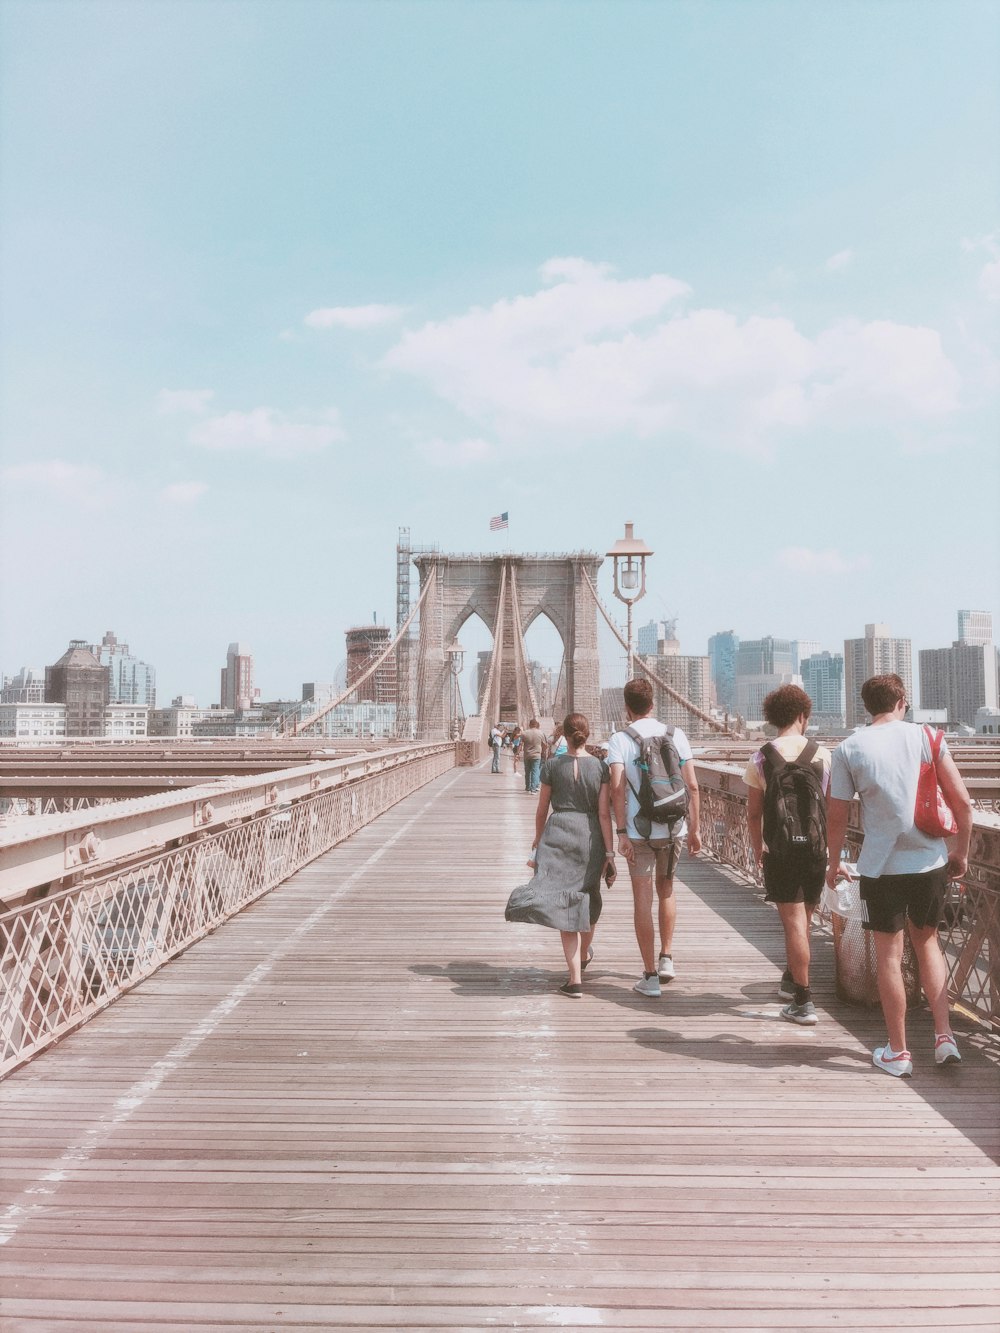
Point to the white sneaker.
(896, 1063)
(665, 967)
(946, 1050)
(648, 986)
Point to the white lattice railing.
(69, 953)
(970, 932)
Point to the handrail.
(48, 848)
(68, 954)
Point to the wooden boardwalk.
(364, 1105)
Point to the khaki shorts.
(649, 860)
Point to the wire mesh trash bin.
(854, 967)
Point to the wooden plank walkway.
(364, 1105)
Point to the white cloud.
(184, 492)
(592, 356)
(803, 560)
(460, 453)
(195, 401)
(270, 431)
(989, 280)
(841, 260)
(882, 367)
(354, 316)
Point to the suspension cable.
(674, 694)
(355, 685)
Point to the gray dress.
(565, 892)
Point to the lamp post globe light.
(629, 555)
(456, 659)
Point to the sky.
(282, 277)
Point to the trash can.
(854, 968)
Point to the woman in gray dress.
(573, 847)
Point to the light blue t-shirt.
(622, 749)
(881, 765)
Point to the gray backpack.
(663, 793)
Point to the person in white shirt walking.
(651, 855)
(904, 872)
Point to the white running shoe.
(665, 967)
(648, 986)
(896, 1063)
(946, 1050)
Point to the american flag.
(500, 521)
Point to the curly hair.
(785, 705)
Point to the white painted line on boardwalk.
(77, 1154)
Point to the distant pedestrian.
(653, 852)
(557, 745)
(496, 741)
(904, 872)
(786, 803)
(516, 746)
(573, 848)
(534, 741)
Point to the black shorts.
(890, 900)
(789, 882)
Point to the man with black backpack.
(787, 781)
(655, 800)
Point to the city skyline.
(243, 653)
(279, 280)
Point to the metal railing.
(970, 931)
(70, 948)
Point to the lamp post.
(456, 658)
(629, 555)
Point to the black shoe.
(585, 961)
(786, 986)
(573, 989)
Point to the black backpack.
(663, 793)
(794, 807)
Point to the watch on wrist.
(621, 832)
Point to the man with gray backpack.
(787, 781)
(655, 801)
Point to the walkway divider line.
(78, 1154)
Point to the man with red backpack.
(647, 749)
(787, 780)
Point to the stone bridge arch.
(466, 585)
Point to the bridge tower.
(508, 592)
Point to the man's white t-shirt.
(622, 749)
(881, 764)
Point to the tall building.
(877, 654)
(131, 681)
(765, 657)
(79, 681)
(689, 676)
(237, 678)
(975, 627)
(961, 679)
(658, 639)
(801, 649)
(823, 681)
(27, 687)
(722, 651)
(364, 644)
(761, 666)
